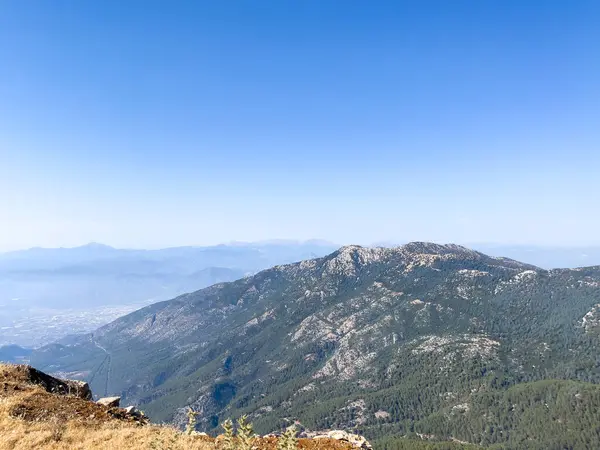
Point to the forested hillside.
(423, 341)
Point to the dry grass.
(18, 434)
(31, 418)
(12, 373)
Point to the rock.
(199, 433)
(355, 440)
(80, 389)
(111, 402)
(133, 411)
(54, 385)
(135, 414)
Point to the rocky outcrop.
(110, 402)
(79, 388)
(58, 399)
(29, 375)
(591, 321)
(355, 440)
(132, 411)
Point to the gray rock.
(111, 402)
(355, 440)
(199, 433)
(80, 389)
(133, 411)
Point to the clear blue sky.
(147, 123)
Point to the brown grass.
(31, 418)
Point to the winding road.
(107, 361)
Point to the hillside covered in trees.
(412, 345)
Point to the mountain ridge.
(86, 287)
(323, 334)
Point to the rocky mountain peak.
(351, 257)
(357, 251)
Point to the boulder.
(111, 402)
(355, 440)
(80, 389)
(133, 411)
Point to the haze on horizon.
(489, 247)
(146, 125)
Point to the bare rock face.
(111, 402)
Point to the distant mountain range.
(48, 293)
(93, 257)
(428, 341)
(14, 354)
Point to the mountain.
(245, 255)
(428, 340)
(48, 293)
(14, 353)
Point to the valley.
(34, 327)
(47, 294)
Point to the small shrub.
(228, 438)
(288, 440)
(191, 425)
(245, 434)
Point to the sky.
(152, 124)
